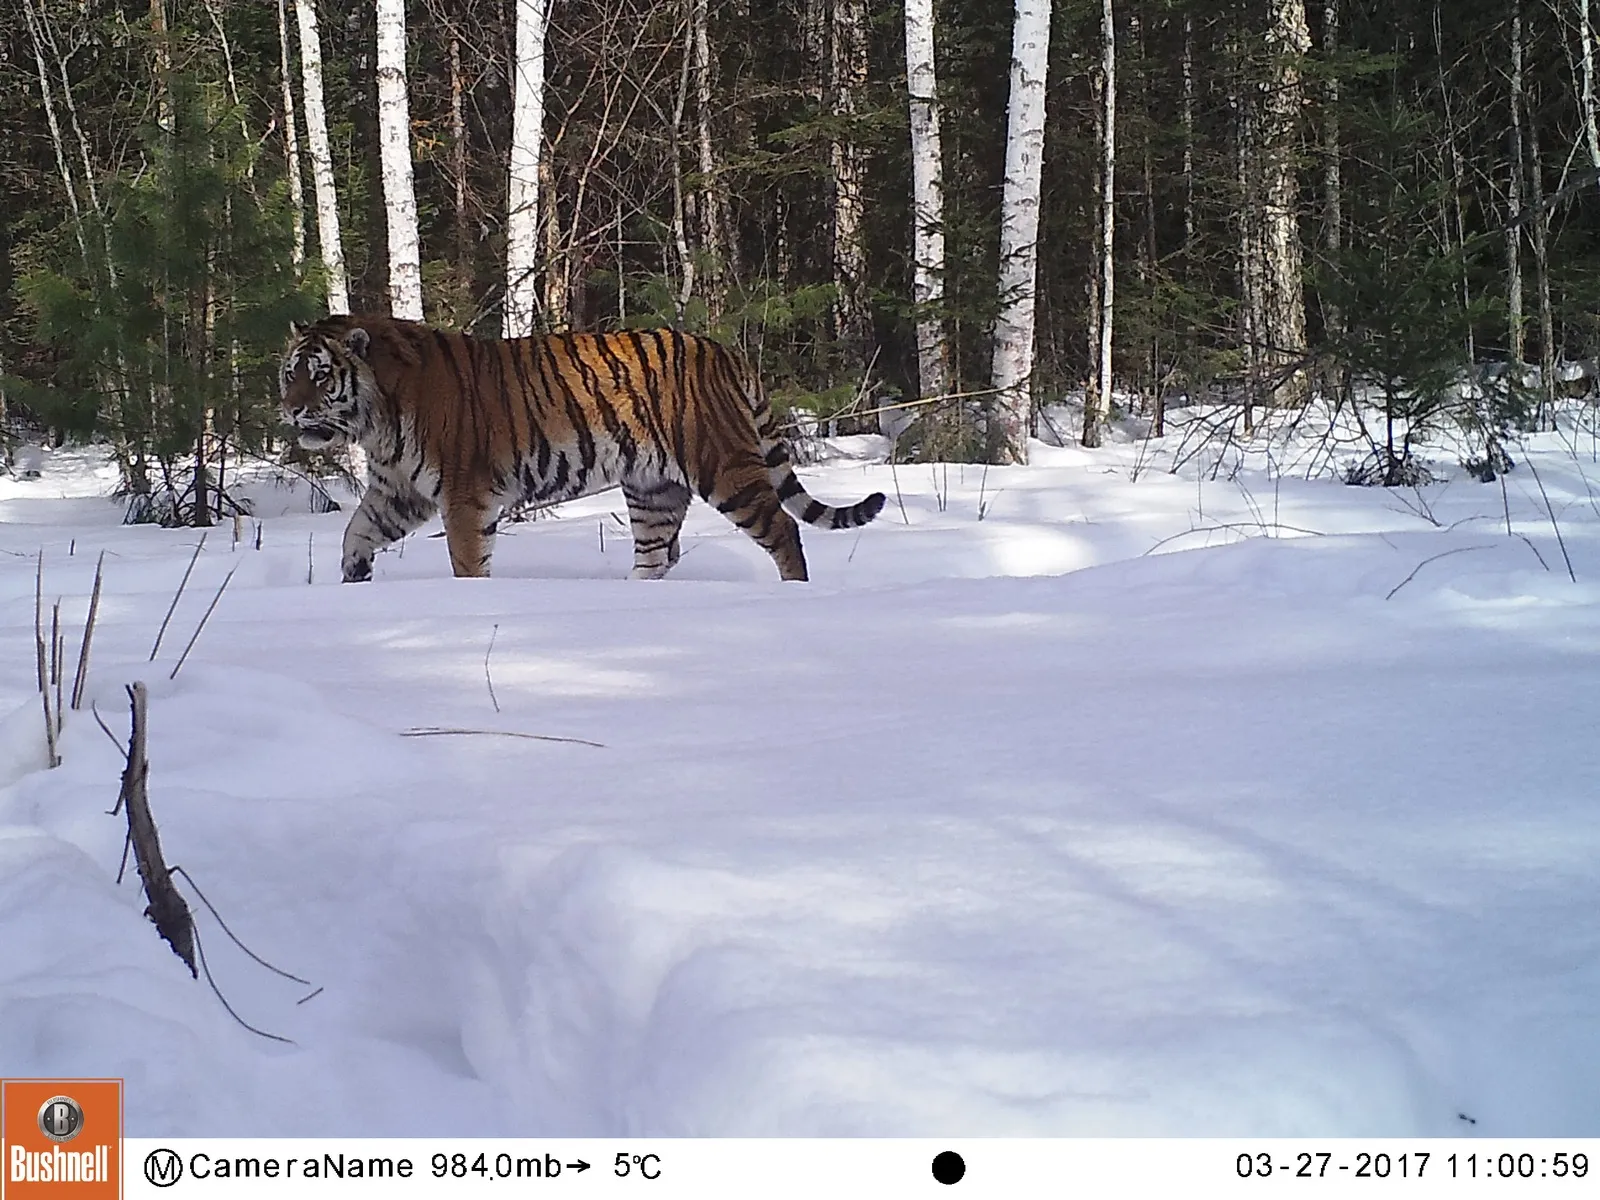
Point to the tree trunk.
(1187, 121)
(848, 78)
(522, 199)
(163, 46)
(458, 160)
(711, 203)
(680, 222)
(1283, 314)
(394, 145)
(1332, 180)
(1591, 139)
(927, 189)
(1541, 269)
(331, 249)
(291, 141)
(1012, 374)
(1097, 402)
(557, 254)
(1514, 197)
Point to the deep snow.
(1133, 807)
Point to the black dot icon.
(949, 1167)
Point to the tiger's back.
(469, 425)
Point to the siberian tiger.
(469, 425)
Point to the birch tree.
(522, 198)
(1591, 138)
(711, 203)
(1516, 330)
(927, 190)
(848, 71)
(291, 139)
(329, 245)
(1282, 316)
(394, 146)
(1097, 401)
(1012, 372)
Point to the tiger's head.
(326, 385)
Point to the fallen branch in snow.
(196, 634)
(82, 674)
(1429, 559)
(178, 595)
(166, 908)
(436, 731)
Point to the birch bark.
(291, 140)
(327, 195)
(394, 150)
(927, 188)
(1012, 372)
(848, 71)
(1097, 402)
(522, 200)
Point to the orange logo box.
(60, 1139)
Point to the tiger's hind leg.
(469, 531)
(655, 512)
(745, 496)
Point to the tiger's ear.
(358, 340)
(296, 329)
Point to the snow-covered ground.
(1061, 802)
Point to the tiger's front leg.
(390, 509)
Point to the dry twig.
(178, 595)
(82, 674)
(196, 634)
(436, 731)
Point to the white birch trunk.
(1541, 266)
(848, 70)
(1098, 406)
(712, 203)
(1514, 199)
(1591, 139)
(394, 152)
(680, 233)
(330, 247)
(1019, 233)
(927, 188)
(1283, 300)
(1332, 181)
(291, 140)
(522, 198)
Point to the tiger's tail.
(798, 502)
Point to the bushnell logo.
(61, 1118)
(60, 1139)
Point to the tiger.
(468, 426)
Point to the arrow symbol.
(580, 1166)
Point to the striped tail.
(798, 502)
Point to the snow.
(1246, 805)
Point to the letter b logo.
(60, 1118)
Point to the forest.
(934, 220)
